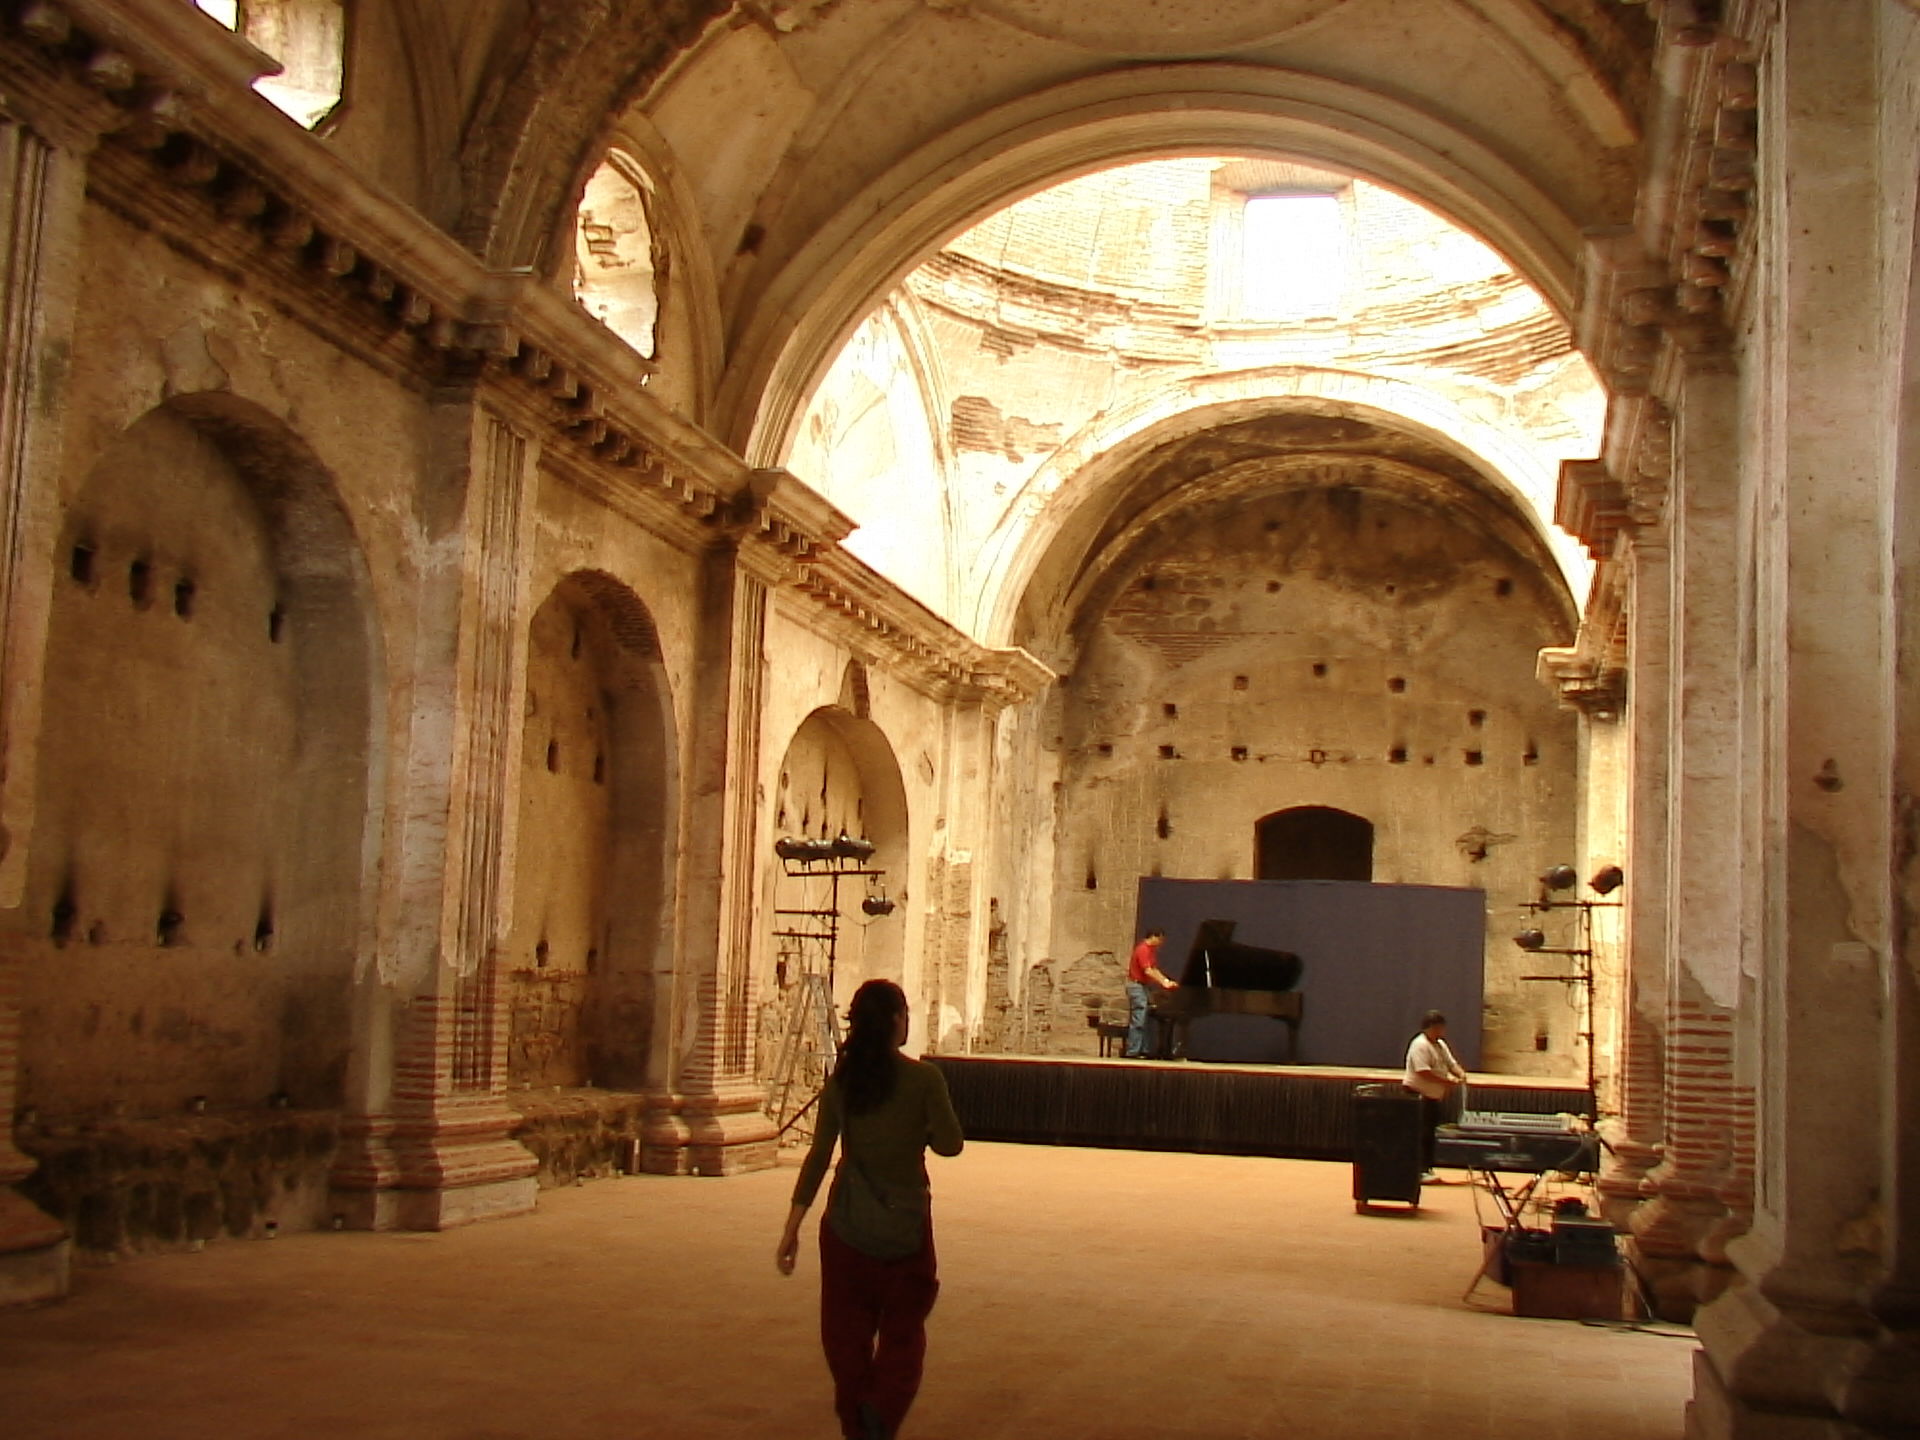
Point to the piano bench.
(1113, 1036)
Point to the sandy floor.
(1087, 1293)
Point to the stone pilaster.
(713, 1120)
(42, 183)
(1635, 1132)
(430, 1144)
(1680, 1233)
(1820, 1340)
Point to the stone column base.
(35, 1253)
(1666, 1233)
(1677, 1285)
(722, 1131)
(665, 1136)
(451, 1165)
(1763, 1374)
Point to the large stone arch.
(1074, 492)
(210, 775)
(806, 312)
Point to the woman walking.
(878, 1276)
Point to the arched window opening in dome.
(617, 259)
(308, 39)
(1294, 257)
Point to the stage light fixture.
(1608, 880)
(849, 847)
(1530, 939)
(1560, 877)
(877, 905)
(803, 848)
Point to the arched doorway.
(1313, 842)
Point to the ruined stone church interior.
(547, 542)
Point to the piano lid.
(1218, 962)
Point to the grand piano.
(1223, 977)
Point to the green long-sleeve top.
(891, 1139)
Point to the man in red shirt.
(1143, 969)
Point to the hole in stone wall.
(170, 928)
(183, 591)
(1531, 756)
(1319, 670)
(1239, 682)
(1476, 718)
(140, 583)
(1474, 757)
(1239, 752)
(1147, 582)
(276, 624)
(1167, 752)
(1273, 587)
(97, 933)
(1103, 748)
(1093, 881)
(1393, 589)
(1171, 711)
(1397, 684)
(1164, 826)
(80, 564)
(64, 914)
(553, 756)
(593, 959)
(1397, 755)
(1426, 759)
(600, 769)
(540, 953)
(1503, 587)
(263, 931)
(1540, 1040)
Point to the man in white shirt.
(1432, 1072)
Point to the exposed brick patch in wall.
(132, 1185)
(977, 424)
(579, 1133)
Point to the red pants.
(873, 1319)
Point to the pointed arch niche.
(592, 913)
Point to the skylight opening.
(1294, 257)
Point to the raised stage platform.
(1300, 1111)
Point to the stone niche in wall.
(194, 878)
(194, 900)
(1334, 635)
(590, 885)
(838, 776)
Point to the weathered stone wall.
(580, 1134)
(123, 1184)
(1336, 644)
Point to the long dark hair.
(865, 1069)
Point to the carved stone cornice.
(875, 619)
(1590, 505)
(1591, 674)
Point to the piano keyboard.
(1512, 1123)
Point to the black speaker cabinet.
(1386, 1145)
